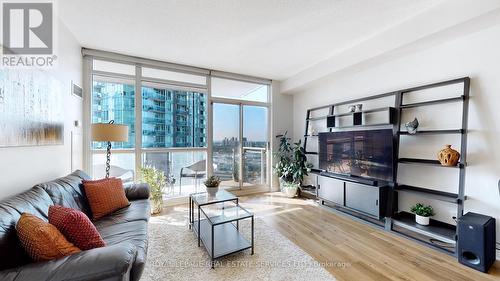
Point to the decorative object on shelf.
(411, 127)
(359, 107)
(351, 108)
(292, 165)
(157, 183)
(109, 132)
(212, 184)
(422, 213)
(448, 156)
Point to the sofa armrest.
(136, 191)
(112, 263)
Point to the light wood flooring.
(353, 250)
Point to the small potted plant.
(422, 213)
(291, 166)
(212, 184)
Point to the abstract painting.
(31, 110)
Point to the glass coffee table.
(217, 223)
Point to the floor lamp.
(108, 132)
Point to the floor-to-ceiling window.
(177, 125)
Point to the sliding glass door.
(255, 145)
(240, 144)
(226, 143)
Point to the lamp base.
(108, 159)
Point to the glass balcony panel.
(185, 171)
(122, 165)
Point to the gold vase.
(448, 156)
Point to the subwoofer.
(476, 241)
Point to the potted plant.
(212, 184)
(422, 213)
(157, 183)
(291, 166)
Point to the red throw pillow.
(76, 227)
(105, 196)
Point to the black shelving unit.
(429, 193)
(437, 230)
(428, 162)
(433, 132)
(403, 222)
(357, 118)
(406, 220)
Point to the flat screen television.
(367, 153)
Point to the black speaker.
(476, 241)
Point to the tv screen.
(365, 154)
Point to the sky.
(226, 122)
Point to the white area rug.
(173, 254)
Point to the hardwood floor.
(352, 250)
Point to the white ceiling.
(267, 38)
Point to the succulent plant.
(212, 181)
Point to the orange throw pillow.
(105, 196)
(42, 240)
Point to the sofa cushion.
(68, 191)
(105, 196)
(76, 227)
(41, 240)
(138, 210)
(135, 232)
(34, 201)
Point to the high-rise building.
(170, 118)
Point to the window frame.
(139, 63)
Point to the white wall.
(281, 120)
(475, 55)
(23, 167)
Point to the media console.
(366, 197)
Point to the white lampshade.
(109, 132)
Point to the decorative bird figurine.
(412, 126)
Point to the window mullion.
(138, 119)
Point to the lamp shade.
(109, 132)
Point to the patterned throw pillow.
(41, 240)
(76, 227)
(105, 196)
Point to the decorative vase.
(422, 220)
(411, 127)
(448, 156)
(289, 189)
(359, 107)
(212, 190)
(351, 108)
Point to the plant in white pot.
(212, 184)
(291, 166)
(422, 213)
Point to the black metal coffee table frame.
(229, 239)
